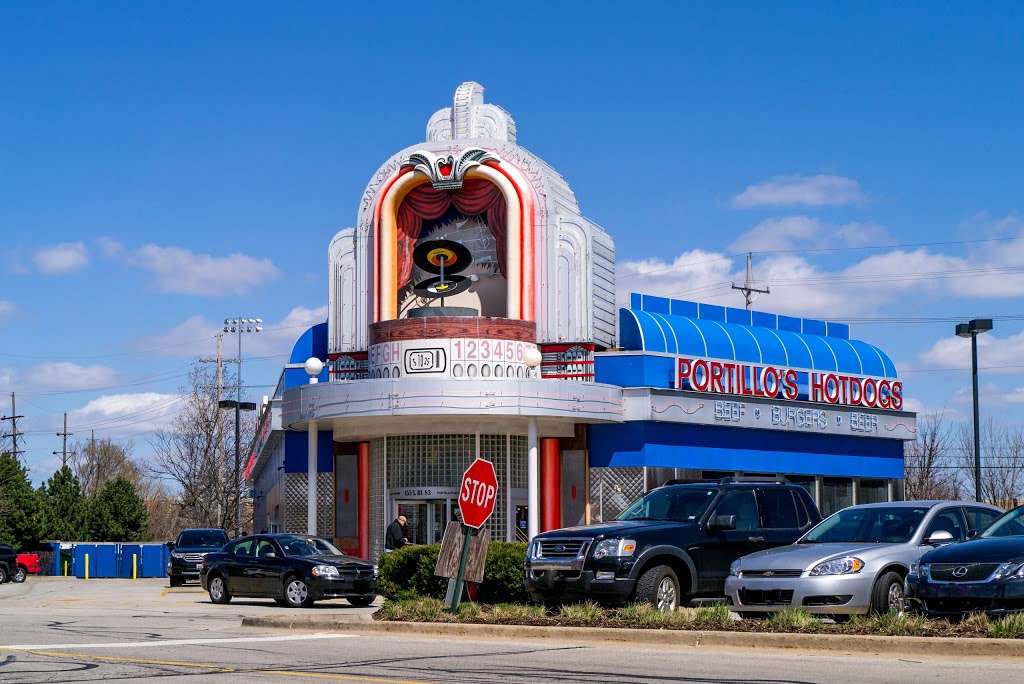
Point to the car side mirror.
(722, 523)
(170, 545)
(939, 537)
(973, 533)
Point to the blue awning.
(658, 324)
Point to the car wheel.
(296, 593)
(3, 574)
(176, 581)
(20, 575)
(360, 601)
(887, 594)
(219, 590)
(659, 587)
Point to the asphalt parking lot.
(59, 630)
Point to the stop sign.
(478, 493)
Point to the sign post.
(477, 496)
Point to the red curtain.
(424, 203)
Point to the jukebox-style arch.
(448, 172)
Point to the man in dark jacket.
(398, 534)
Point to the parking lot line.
(176, 642)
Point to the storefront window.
(837, 494)
(873, 491)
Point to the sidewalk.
(825, 643)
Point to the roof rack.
(753, 478)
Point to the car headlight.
(619, 548)
(1011, 570)
(325, 571)
(175, 554)
(734, 569)
(376, 572)
(915, 568)
(847, 565)
(534, 551)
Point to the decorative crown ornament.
(447, 172)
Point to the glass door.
(415, 513)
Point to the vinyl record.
(428, 256)
(432, 288)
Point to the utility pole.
(64, 450)
(748, 288)
(14, 433)
(220, 361)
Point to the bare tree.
(195, 456)
(930, 462)
(96, 462)
(1002, 462)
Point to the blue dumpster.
(153, 562)
(56, 567)
(124, 562)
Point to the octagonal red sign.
(478, 493)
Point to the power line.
(64, 449)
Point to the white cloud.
(6, 308)
(123, 414)
(64, 375)
(181, 271)
(109, 247)
(61, 258)
(989, 393)
(995, 354)
(803, 191)
(194, 336)
(807, 232)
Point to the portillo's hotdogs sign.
(775, 382)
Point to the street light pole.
(972, 329)
(240, 325)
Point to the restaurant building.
(472, 312)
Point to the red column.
(550, 484)
(363, 498)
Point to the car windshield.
(306, 546)
(1010, 524)
(867, 525)
(198, 538)
(675, 504)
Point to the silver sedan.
(854, 561)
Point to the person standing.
(398, 534)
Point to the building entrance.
(426, 520)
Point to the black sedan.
(985, 574)
(291, 569)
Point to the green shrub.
(409, 572)
(710, 617)
(515, 613)
(581, 614)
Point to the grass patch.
(1008, 627)
(793, 620)
(712, 618)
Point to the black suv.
(190, 548)
(674, 544)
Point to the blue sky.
(164, 165)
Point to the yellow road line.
(133, 661)
(331, 676)
(338, 677)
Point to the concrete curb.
(832, 643)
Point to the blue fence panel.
(105, 563)
(154, 563)
(124, 563)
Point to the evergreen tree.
(19, 505)
(117, 513)
(63, 513)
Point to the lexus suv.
(674, 544)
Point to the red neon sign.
(774, 382)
